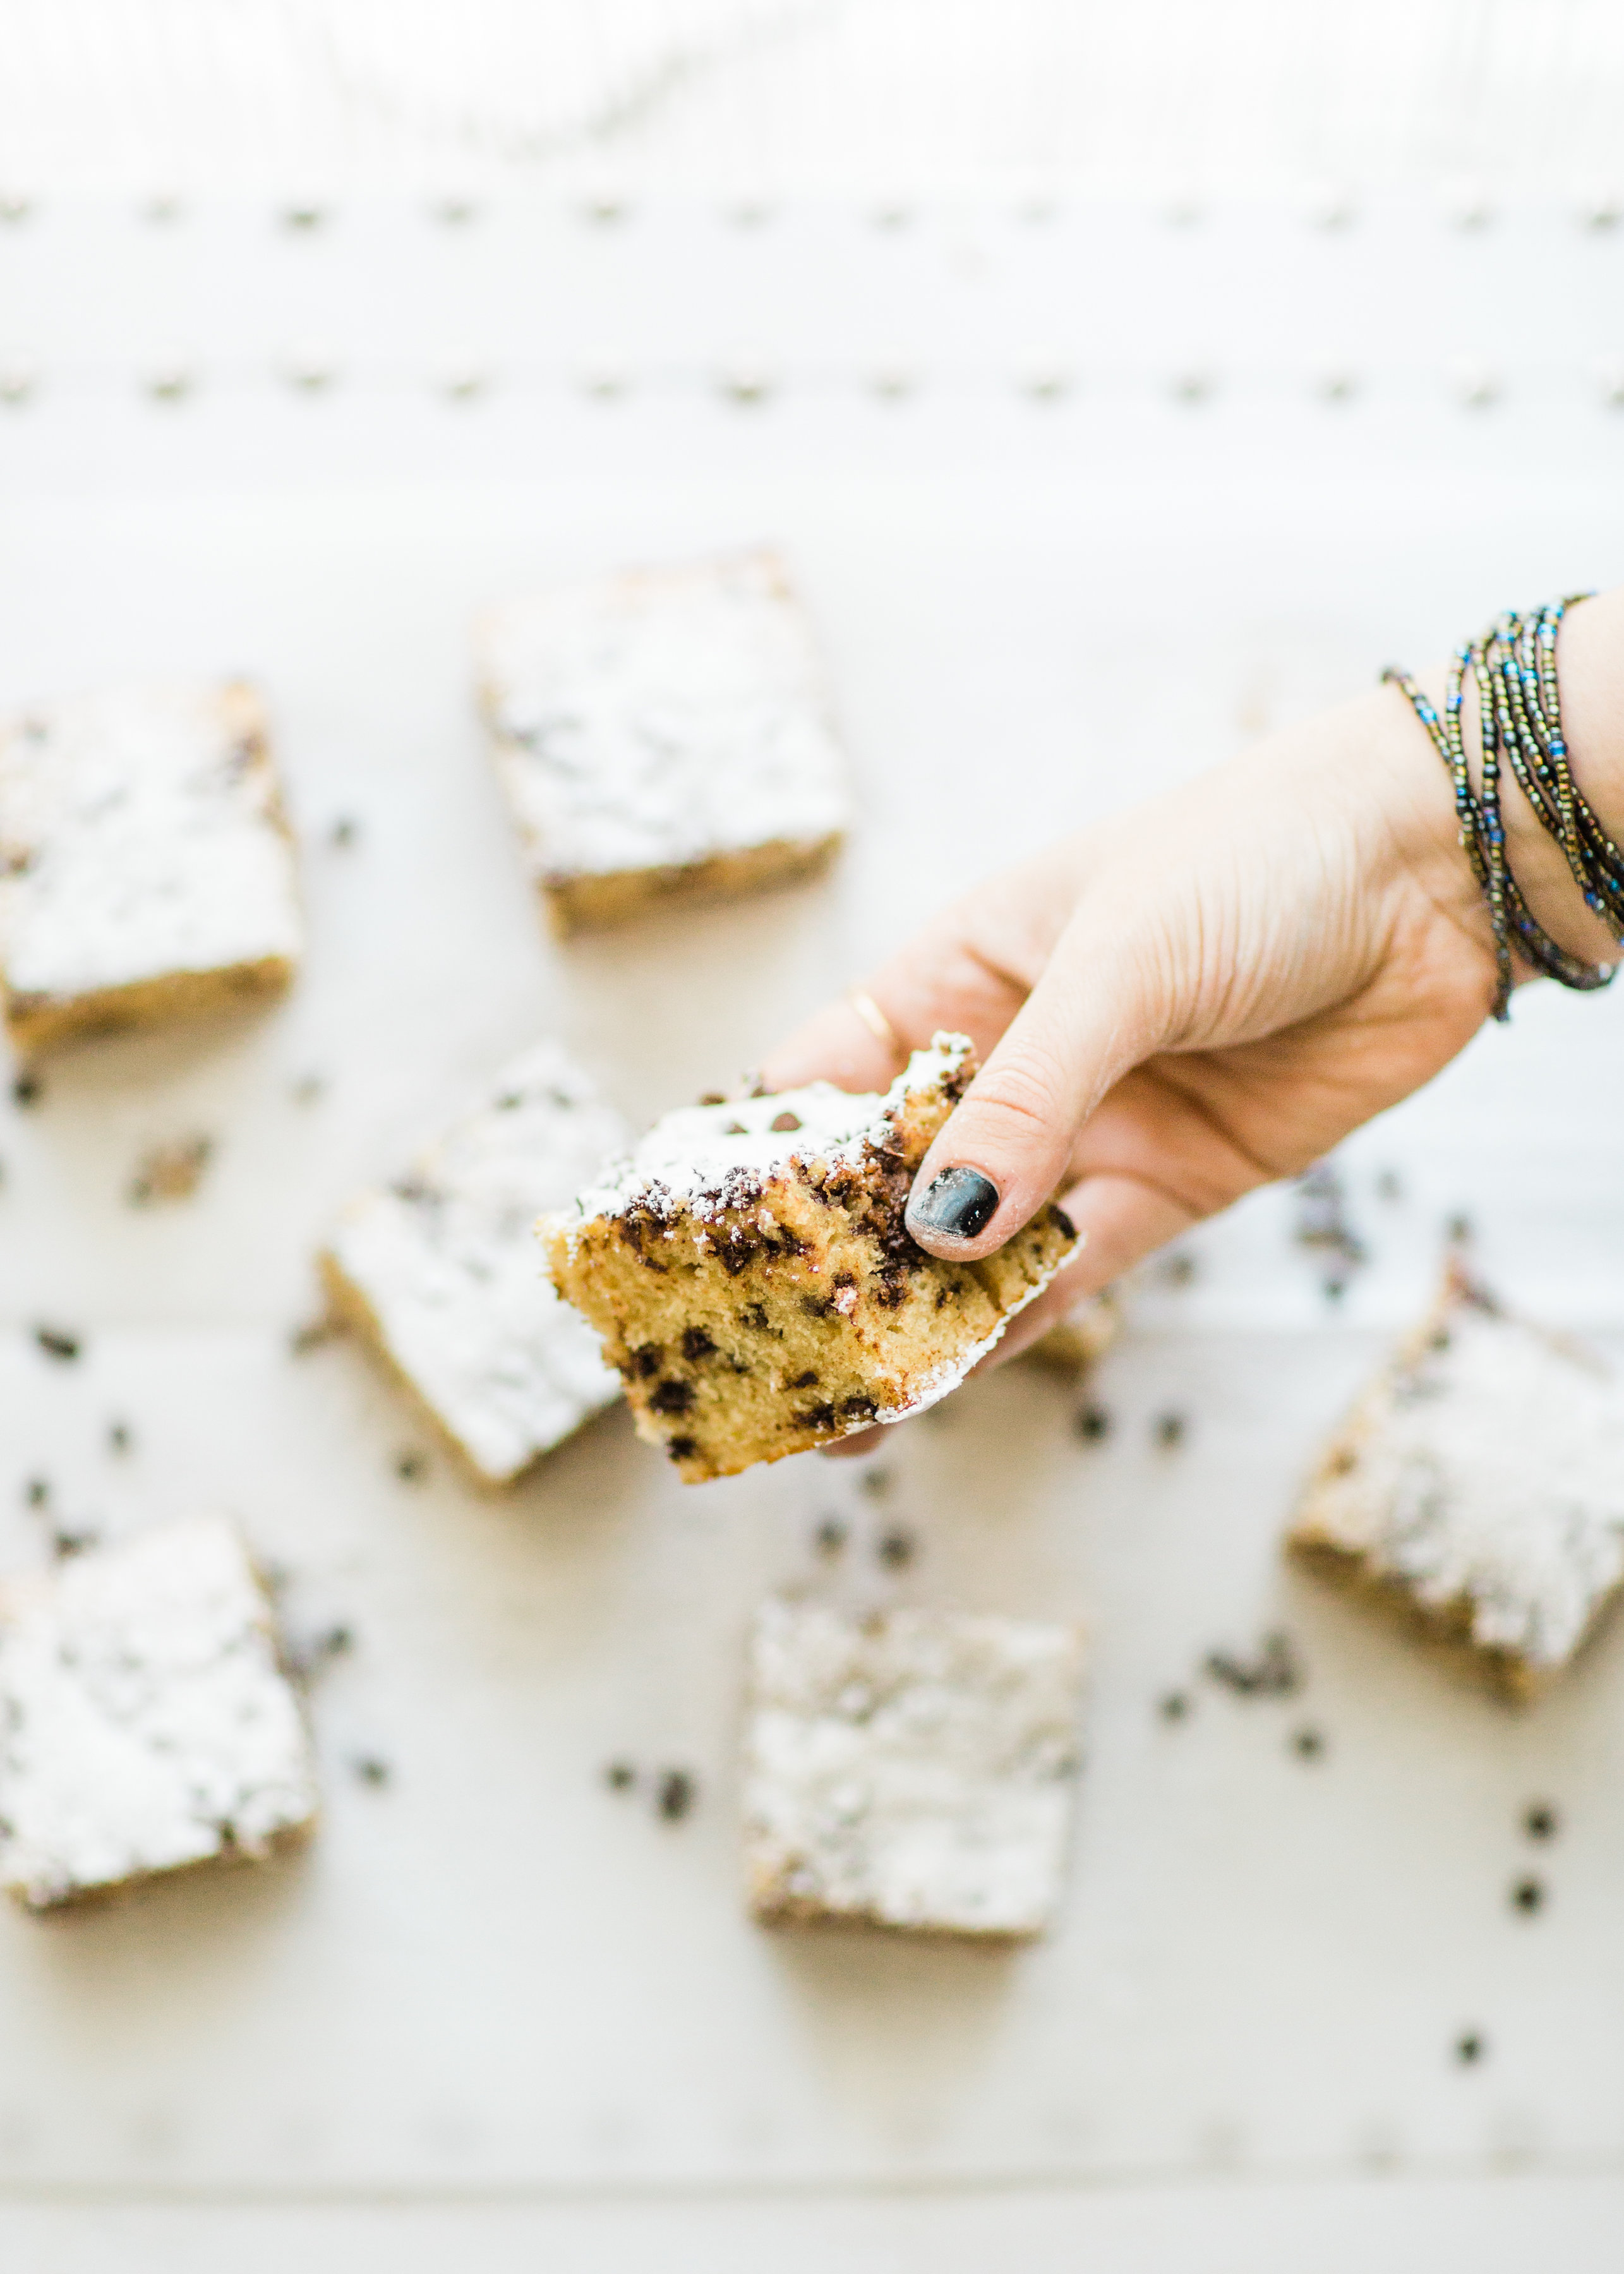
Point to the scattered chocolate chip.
(875, 1482)
(1540, 1820)
(1308, 1745)
(807, 1380)
(785, 1122)
(1174, 1707)
(36, 1492)
(169, 1172)
(858, 1409)
(696, 1343)
(1273, 1673)
(370, 1769)
(714, 1097)
(1334, 1290)
(411, 1467)
(1458, 1230)
(620, 1776)
(1092, 1424)
(1468, 2048)
(120, 1437)
(830, 1537)
(56, 1344)
(1178, 1270)
(895, 1549)
(334, 1642)
(1169, 1430)
(1528, 1896)
(645, 1359)
(676, 1795)
(344, 833)
(681, 1448)
(671, 1396)
(66, 1544)
(27, 1089)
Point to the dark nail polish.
(960, 1202)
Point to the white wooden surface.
(498, 2011)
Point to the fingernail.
(960, 1202)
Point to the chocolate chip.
(36, 1492)
(1092, 1424)
(676, 1795)
(681, 1448)
(1470, 2048)
(876, 1482)
(1458, 1229)
(120, 1437)
(830, 1537)
(714, 1097)
(645, 1359)
(895, 1549)
(27, 1089)
(785, 1122)
(807, 1380)
(755, 1316)
(344, 833)
(1174, 1707)
(1540, 1820)
(696, 1343)
(1389, 1186)
(1528, 1896)
(1273, 1673)
(1169, 1429)
(1308, 1745)
(56, 1344)
(1179, 1271)
(334, 1642)
(671, 1396)
(411, 1468)
(370, 1769)
(66, 1544)
(858, 1409)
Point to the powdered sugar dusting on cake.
(656, 719)
(1488, 1471)
(703, 1159)
(140, 836)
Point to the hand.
(1196, 998)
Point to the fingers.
(1095, 1012)
(1120, 1221)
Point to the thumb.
(1097, 1010)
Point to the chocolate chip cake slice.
(662, 732)
(439, 1269)
(1476, 1487)
(147, 870)
(750, 1271)
(145, 1722)
(914, 1770)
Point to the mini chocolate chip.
(344, 832)
(714, 1097)
(1459, 1228)
(1169, 1429)
(1174, 1707)
(895, 1549)
(27, 1089)
(620, 1776)
(1308, 1745)
(696, 1343)
(681, 1448)
(807, 1380)
(1179, 1271)
(645, 1359)
(677, 1793)
(1528, 1896)
(830, 1537)
(671, 1396)
(1092, 1424)
(55, 1344)
(334, 1642)
(120, 1437)
(1470, 2047)
(1540, 1821)
(754, 1315)
(785, 1122)
(311, 1335)
(370, 1769)
(876, 1482)
(411, 1468)
(64, 1544)
(859, 1408)
(36, 1492)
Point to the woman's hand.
(1195, 997)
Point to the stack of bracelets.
(1520, 715)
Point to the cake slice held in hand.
(750, 1270)
(1476, 1487)
(146, 870)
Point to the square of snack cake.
(145, 1722)
(751, 1273)
(662, 731)
(146, 870)
(916, 1769)
(440, 1271)
(1478, 1488)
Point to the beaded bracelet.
(1520, 724)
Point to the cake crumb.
(57, 1343)
(1273, 1673)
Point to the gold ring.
(876, 1020)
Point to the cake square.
(438, 1271)
(661, 732)
(147, 870)
(916, 1769)
(145, 1722)
(1476, 1486)
(750, 1271)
